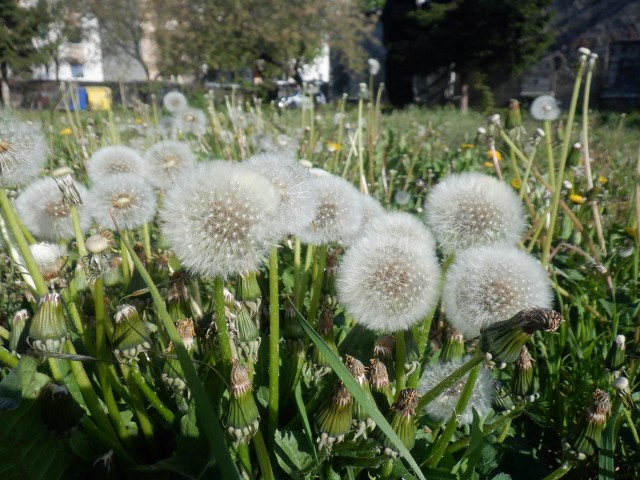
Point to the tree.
(20, 27)
(283, 34)
(478, 36)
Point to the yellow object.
(65, 132)
(99, 98)
(490, 155)
(576, 198)
(515, 183)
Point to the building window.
(77, 70)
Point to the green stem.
(560, 472)
(226, 351)
(550, 159)
(297, 273)
(450, 380)
(263, 456)
(151, 395)
(138, 407)
(632, 427)
(505, 419)
(387, 469)
(4, 333)
(126, 270)
(555, 201)
(363, 180)
(7, 358)
(321, 261)
(77, 230)
(147, 240)
(274, 344)
(245, 459)
(400, 357)
(97, 433)
(442, 443)
(21, 242)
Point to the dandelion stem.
(263, 456)
(243, 456)
(21, 242)
(147, 240)
(452, 424)
(221, 322)
(274, 343)
(151, 395)
(297, 273)
(321, 261)
(77, 230)
(450, 380)
(550, 159)
(7, 358)
(400, 357)
(560, 472)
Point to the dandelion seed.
(443, 407)
(130, 200)
(43, 211)
(545, 107)
(388, 282)
(115, 160)
(219, 218)
(490, 284)
(474, 209)
(174, 102)
(23, 151)
(338, 215)
(166, 160)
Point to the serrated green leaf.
(465, 467)
(291, 453)
(359, 394)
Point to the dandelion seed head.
(191, 120)
(129, 198)
(166, 159)
(388, 282)
(472, 209)
(174, 102)
(443, 407)
(49, 258)
(220, 218)
(115, 160)
(23, 151)
(43, 211)
(490, 284)
(545, 107)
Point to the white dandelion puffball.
(129, 198)
(174, 102)
(298, 198)
(443, 407)
(166, 160)
(221, 218)
(338, 215)
(49, 258)
(472, 209)
(191, 120)
(115, 160)
(374, 66)
(23, 151)
(401, 224)
(388, 282)
(42, 210)
(490, 284)
(545, 107)
(371, 209)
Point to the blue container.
(81, 99)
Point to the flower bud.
(583, 441)
(130, 337)
(401, 417)
(361, 419)
(333, 420)
(243, 418)
(525, 383)
(48, 329)
(453, 346)
(616, 356)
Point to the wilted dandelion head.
(490, 284)
(472, 209)
(220, 218)
(166, 160)
(298, 199)
(387, 282)
(174, 102)
(338, 215)
(115, 160)
(545, 107)
(191, 120)
(23, 150)
(43, 211)
(129, 198)
(444, 405)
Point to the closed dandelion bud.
(525, 381)
(401, 417)
(325, 329)
(243, 418)
(616, 356)
(453, 346)
(60, 412)
(621, 386)
(248, 336)
(384, 347)
(18, 331)
(130, 337)
(333, 420)
(443, 406)
(514, 117)
(502, 401)
(249, 289)
(573, 157)
(379, 384)
(178, 301)
(585, 439)
(502, 342)
(172, 373)
(48, 328)
(361, 419)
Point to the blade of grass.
(357, 392)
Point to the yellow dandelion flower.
(334, 146)
(467, 146)
(630, 231)
(515, 183)
(488, 164)
(577, 198)
(490, 155)
(602, 180)
(139, 121)
(65, 132)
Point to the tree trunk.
(5, 92)
(464, 93)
